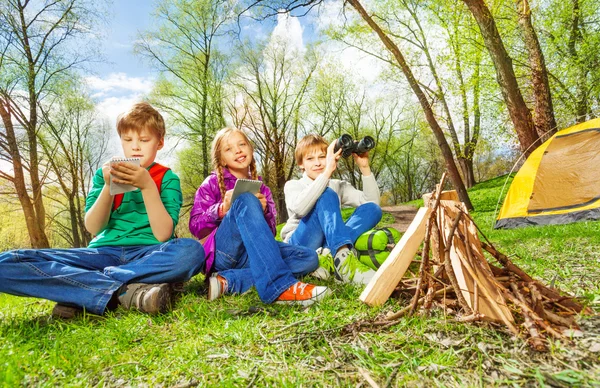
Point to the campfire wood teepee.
(457, 276)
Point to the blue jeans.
(88, 277)
(323, 226)
(247, 254)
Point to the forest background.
(464, 86)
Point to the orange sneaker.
(217, 286)
(302, 293)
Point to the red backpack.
(157, 172)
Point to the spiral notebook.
(120, 188)
(245, 186)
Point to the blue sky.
(123, 78)
(126, 18)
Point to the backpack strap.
(157, 173)
(389, 235)
(371, 251)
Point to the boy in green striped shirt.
(134, 254)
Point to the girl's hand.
(332, 158)
(130, 174)
(226, 201)
(263, 201)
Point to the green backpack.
(375, 245)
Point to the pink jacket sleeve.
(204, 217)
(271, 211)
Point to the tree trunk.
(471, 144)
(74, 223)
(581, 104)
(505, 75)
(430, 116)
(543, 116)
(37, 235)
(465, 155)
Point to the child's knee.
(192, 256)
(374, 209)
(329, 196)
(248, 200)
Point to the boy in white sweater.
(314, 207)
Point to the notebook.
(120, 188)
(245, 186)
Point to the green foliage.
(238, 340)
(13, 230)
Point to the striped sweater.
(129, 225)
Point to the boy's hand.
(332, 158)
(263, 201)
(130, 174)
(106, 173)
(227, 201)
(362, 161)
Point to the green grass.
(239, 341)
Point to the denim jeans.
(247, 254)
(87, 277)
(323, 226)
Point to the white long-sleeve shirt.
(302, 194)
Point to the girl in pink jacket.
(241, 250)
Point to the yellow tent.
(559, 183)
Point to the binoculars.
(349, 146)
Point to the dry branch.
(467, 285)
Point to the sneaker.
(217, 286)
(303, 294)
(349, 269)
(325, 264)
(147, 298)
(64, 311)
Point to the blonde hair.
(307, 143)
(215, 152)
(139, 117)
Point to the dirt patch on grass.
(403, 216)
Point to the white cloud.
(331, 14)
(362, 67)
(289, 31)
(119, 83)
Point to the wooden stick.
(400, 313)
(509, 265)
(424, 268)
(450, 272)
(471, 318)
(536, 299)
(393, 269)
(536, 339)
(532, 314)
(493, 304)
(475, 280)
(552, 294)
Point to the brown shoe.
(147, 298)
(64, 311)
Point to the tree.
(466, 55)
(273, 82)
(423, 100)
(36, 54)
(505, 75)
(184, 49)
(400, 61)
(543, 112)
(570, 35)
(75, 143)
